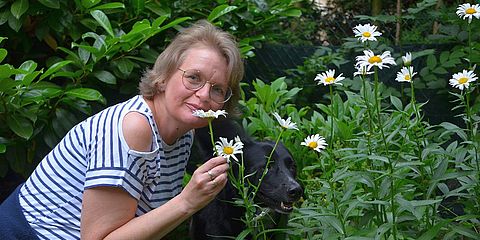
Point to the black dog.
(278, 190)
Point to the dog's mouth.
(286, 207)
(283, 207)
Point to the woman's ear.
(161, 86)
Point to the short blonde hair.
(201, 33)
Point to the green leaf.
(243, 234)
(3, 54)
(18, 8)
(87, 48)
(444, 57)
(431, 62)
(454, 129)
(292, 13)
(54, 68)
(28, 78)
(90, 3)
(99, 40)
(124, 65)
(102, 19)
(8, 85)
(7, 70)
(4, 15)
(220, 11)
(433, 231)
(467, 232)
(20, 126)
(113, 5)
(159, 21)
(138, 6)
(158, 9)
(105, 77)
(396, 102)
(174, 23)
(14, 23)
(28, 66)
(71, 54)
(55, 4)
(440, 70)
(86, 94)
(3, 148)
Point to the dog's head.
(279, 188)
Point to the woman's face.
(180, 102)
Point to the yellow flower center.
(462, 80)
(228, 150)
(470, 11)
(312, 145)
(407, 77)
(366, 34)
(375, 59)
(329, 79)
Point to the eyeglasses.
(192, 80)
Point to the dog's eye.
(291, 165)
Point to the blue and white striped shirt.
(94, 153)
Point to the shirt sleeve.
(112, 163)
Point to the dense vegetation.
(390, 170)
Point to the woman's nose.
(204, 92)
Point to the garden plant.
(372, 162)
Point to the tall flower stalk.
(462, 81)
(367, 33)
(407, 74)
(328, 79)
(370, 60)
(362, 71)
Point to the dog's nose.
(295, 192)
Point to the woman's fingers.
(216, 171)
(207, 181)
(213, 162)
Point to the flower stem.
(269, 159)
(211, 136)
(367, 104)
(390, 164)
(378, 109)
(471, 132)
(470, 46)
(332, 116)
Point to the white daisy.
(370, 59)
(462, 79)
(315, 142)
(328, 78)
(405, 74)
(287, 124)
(366, 32)
(228, 149)
(361, 70)
(468, 11)
(407, 59)
(209, 114)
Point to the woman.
(118, 174)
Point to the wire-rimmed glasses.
(192, 80)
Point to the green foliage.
(353, 189)
(36, 110)
(64, 57)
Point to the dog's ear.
(267, 145)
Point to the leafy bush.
(74, 55)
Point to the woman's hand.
(206, 182)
